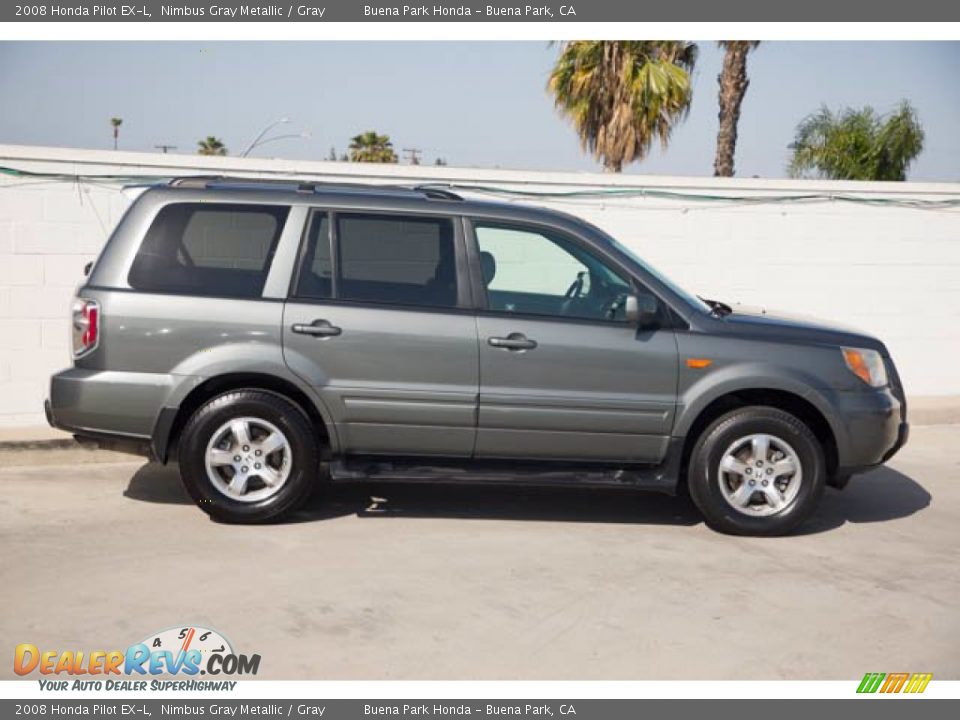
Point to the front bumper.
(875, 428)
(903, 434)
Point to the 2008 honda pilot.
(272, 336)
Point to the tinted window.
(396, 260)
(537, 272)
(316, 275)
(208, 249)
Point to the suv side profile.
(272, 336)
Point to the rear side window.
(384, 259)
(208, 249)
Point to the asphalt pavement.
(431, 582)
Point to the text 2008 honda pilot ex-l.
(273, 336)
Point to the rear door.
(563, 375)
(379, 323)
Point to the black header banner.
(485, 11)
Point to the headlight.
(866, 365)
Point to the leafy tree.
(211, 145)
(371, 147)
(622, 95)
(733, 86)
(116, 122)
(857, 144)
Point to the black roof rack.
(437, 192)
(431, 192)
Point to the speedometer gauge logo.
(184, 639)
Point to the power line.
(165, 148)
(634, 192)
(413, 154)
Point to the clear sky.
(473, 103)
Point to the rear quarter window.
(212, 249)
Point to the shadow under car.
(880, 495)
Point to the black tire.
(304, 475)
(703, 475)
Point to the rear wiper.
(720, 309)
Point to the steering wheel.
(574, 292)
(576, 288)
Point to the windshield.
(691, 300)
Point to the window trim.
(303, 249)
(463, 301)
(476, 270)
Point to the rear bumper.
(112, 410)
(105, 441)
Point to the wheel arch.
(791, 402)
(172, 420)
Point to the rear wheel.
(756, 471)
(249, 456)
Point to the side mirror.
(641, 309)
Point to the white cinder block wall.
(889, 270)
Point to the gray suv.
(275, 336)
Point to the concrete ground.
(413, 582)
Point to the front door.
(563, 375)
(377, 322)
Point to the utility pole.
(413, 154)
(165, 148)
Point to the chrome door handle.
(318, 328)
(513, 341)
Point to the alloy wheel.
(760, 475)
(248, 459)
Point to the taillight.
(86, 325)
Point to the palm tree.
(857, 144)
(116, 122)
(623, 94)
(371, 147)
(211, 145)
(733, 86)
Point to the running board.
(662, 477)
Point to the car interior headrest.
(489, 266)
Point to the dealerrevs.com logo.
(179, 651)
(897, 682)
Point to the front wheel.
(249, 456)
(756, 471)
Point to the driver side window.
(536, 272)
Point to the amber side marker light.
(857, 364)
(867, 365)
(699, 363)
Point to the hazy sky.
(473, 103)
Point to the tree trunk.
(733, 86)
(612, 166)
